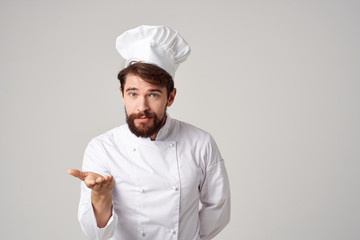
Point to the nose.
(143, 105)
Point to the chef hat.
(158, 45)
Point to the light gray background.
(275, 82)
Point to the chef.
(154, 177)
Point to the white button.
(134, 149)
(173, 231)
(175, 188)
(171, 145)
(141, 190)
(142, 233)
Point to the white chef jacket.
(158, 185)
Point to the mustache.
(143, 114)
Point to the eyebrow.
(155, 90)
(150, 90)
(131, 89)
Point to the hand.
(94, 181)
(101, 194)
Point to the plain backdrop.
(275, 82)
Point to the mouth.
(143, 118)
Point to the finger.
(106, 182)
(107, 178)
(77, 173)
(100, 180)
(109, 183)
(74, 172)
(102, 183)
(111, 179)
(90, 182)
(97, 182)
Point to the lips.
(144, 115)
(142, 118)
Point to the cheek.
(159, 108)
(129, 107)
(130, 102)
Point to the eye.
(132, 94)
(154, 95)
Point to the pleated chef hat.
(158, 45)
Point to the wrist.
(101, 196)
(102, 206)
(101, 201)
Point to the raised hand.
(101, 194)
(94, 181)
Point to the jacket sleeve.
(94, 161)
(214, 194)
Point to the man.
(145, 179)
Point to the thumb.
(77, 173)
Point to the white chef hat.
(159, 45)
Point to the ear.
(171, 97)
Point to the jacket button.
(175, 188)
(171, 145)
(142, 233)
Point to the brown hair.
(150, 73)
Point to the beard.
(143, 129)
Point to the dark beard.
(143, 130)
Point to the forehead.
(134, 81)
